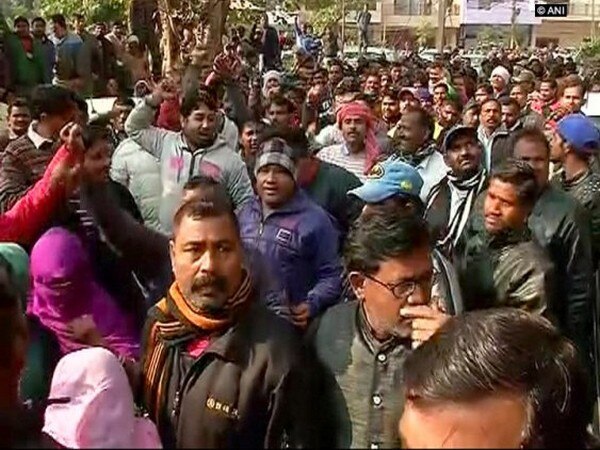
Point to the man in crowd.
(25, 159)
(362, 345)
(270, 50)
(196, 149)
(483, 93)
(240, 394)
(19, 119)
(576, 140)
(38, 28)
(471, 113)
(325, 183)
(390, 109)
(279, 111)
(417, 147)
(117, 38)
(529, 118)
(562, 227)
(525, 402)
(497, 145)
(547, 102)
(450, 202)
(25, 55)
(360, 148)
(294, 235)
(511, 115)
(90, 55)
(503, 266)
(499, 81)
(70, 68)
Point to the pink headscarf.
(64, 289)
(98, 411)
(357, 109)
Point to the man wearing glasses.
(362, 344)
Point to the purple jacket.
(299, 243)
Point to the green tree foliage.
(425, 33)
(324, 13)
(490, 35)
(94, 10)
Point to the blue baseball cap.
(387, 179)
(580, 133)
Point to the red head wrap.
(357, 109)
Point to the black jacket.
(508, 269)
(586, 190)
(562, 227)
(245, 391)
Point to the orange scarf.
(173, 319)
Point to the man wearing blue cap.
(576, 141)
(395, 185)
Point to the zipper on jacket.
(182, 388)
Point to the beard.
(208, 295)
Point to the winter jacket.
(246, 390)
(139, 171)
(561, 227)
(586, 190)
(69, 59)
(27, 71)
(506, 270)
(300, 244)
(25, 220)
(178, 163)
(329, 189)
(356, 388)
(496, 149)
(49, 55)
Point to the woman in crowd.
(68, 300)
(93, 405)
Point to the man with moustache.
(362, 345)
(450, 202)
(219, 369)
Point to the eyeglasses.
(405, 289)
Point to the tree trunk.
(206, 19)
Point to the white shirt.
(37, 139)
(340, 156)
(432, 169)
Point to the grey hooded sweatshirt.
(178, 162)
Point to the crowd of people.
(395, 254)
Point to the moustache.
(216, 282)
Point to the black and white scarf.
(456, 223)
(416, 158)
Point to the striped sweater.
(22, 164)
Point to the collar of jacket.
(183, 146)
(573, 182)
(297, 203)
(368, 335)
(500, 131)
(508, 237)
(231, 343)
